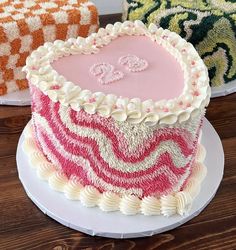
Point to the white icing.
(29, 146)
(184, 202)
(89, 196)
(45, 170)
(57, 181)
(109, 202)
(72, 189)
(199, 171)
(41, 74)
(130, 205)
(151, 206)
(201, 153)
(36, 158)
(193, 187)
(168, 205)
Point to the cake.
(117, 117)
(208, 25)
(27, 24)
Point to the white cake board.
(224, 90)
(18, 98)
(93, 221)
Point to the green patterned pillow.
(210, 25)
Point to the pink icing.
(158, 179)
(162, 79)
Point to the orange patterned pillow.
(27, 24)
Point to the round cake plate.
(18, 98)
(93, 221)
(224, 90)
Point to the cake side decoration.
(177, 203)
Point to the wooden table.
(24, 226)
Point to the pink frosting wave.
(88, 148)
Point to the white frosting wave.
(201, 153)
(109, 202)
(177, 203)
(58, 181)
(130, 205)
(36, 158)
(151, 206)
(184, 202)
(192, 187)
(45, 170)
(193, 99)
(199, 171)
(89, 196)
(168, 205)
(72, 189)
(29, 145)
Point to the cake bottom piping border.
(176, 203)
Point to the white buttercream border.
(176, 203)
(195, 96)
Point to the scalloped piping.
(176, 203)
(194, 99)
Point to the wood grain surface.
(24, 226)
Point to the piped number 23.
(106, 72)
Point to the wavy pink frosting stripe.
(69, 144)
(158, 185)
(58, 130)
(138, 175)
(86, 121)
(150, 145)
(61, 127)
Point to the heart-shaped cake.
(116, 119)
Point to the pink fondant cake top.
(130, 66)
